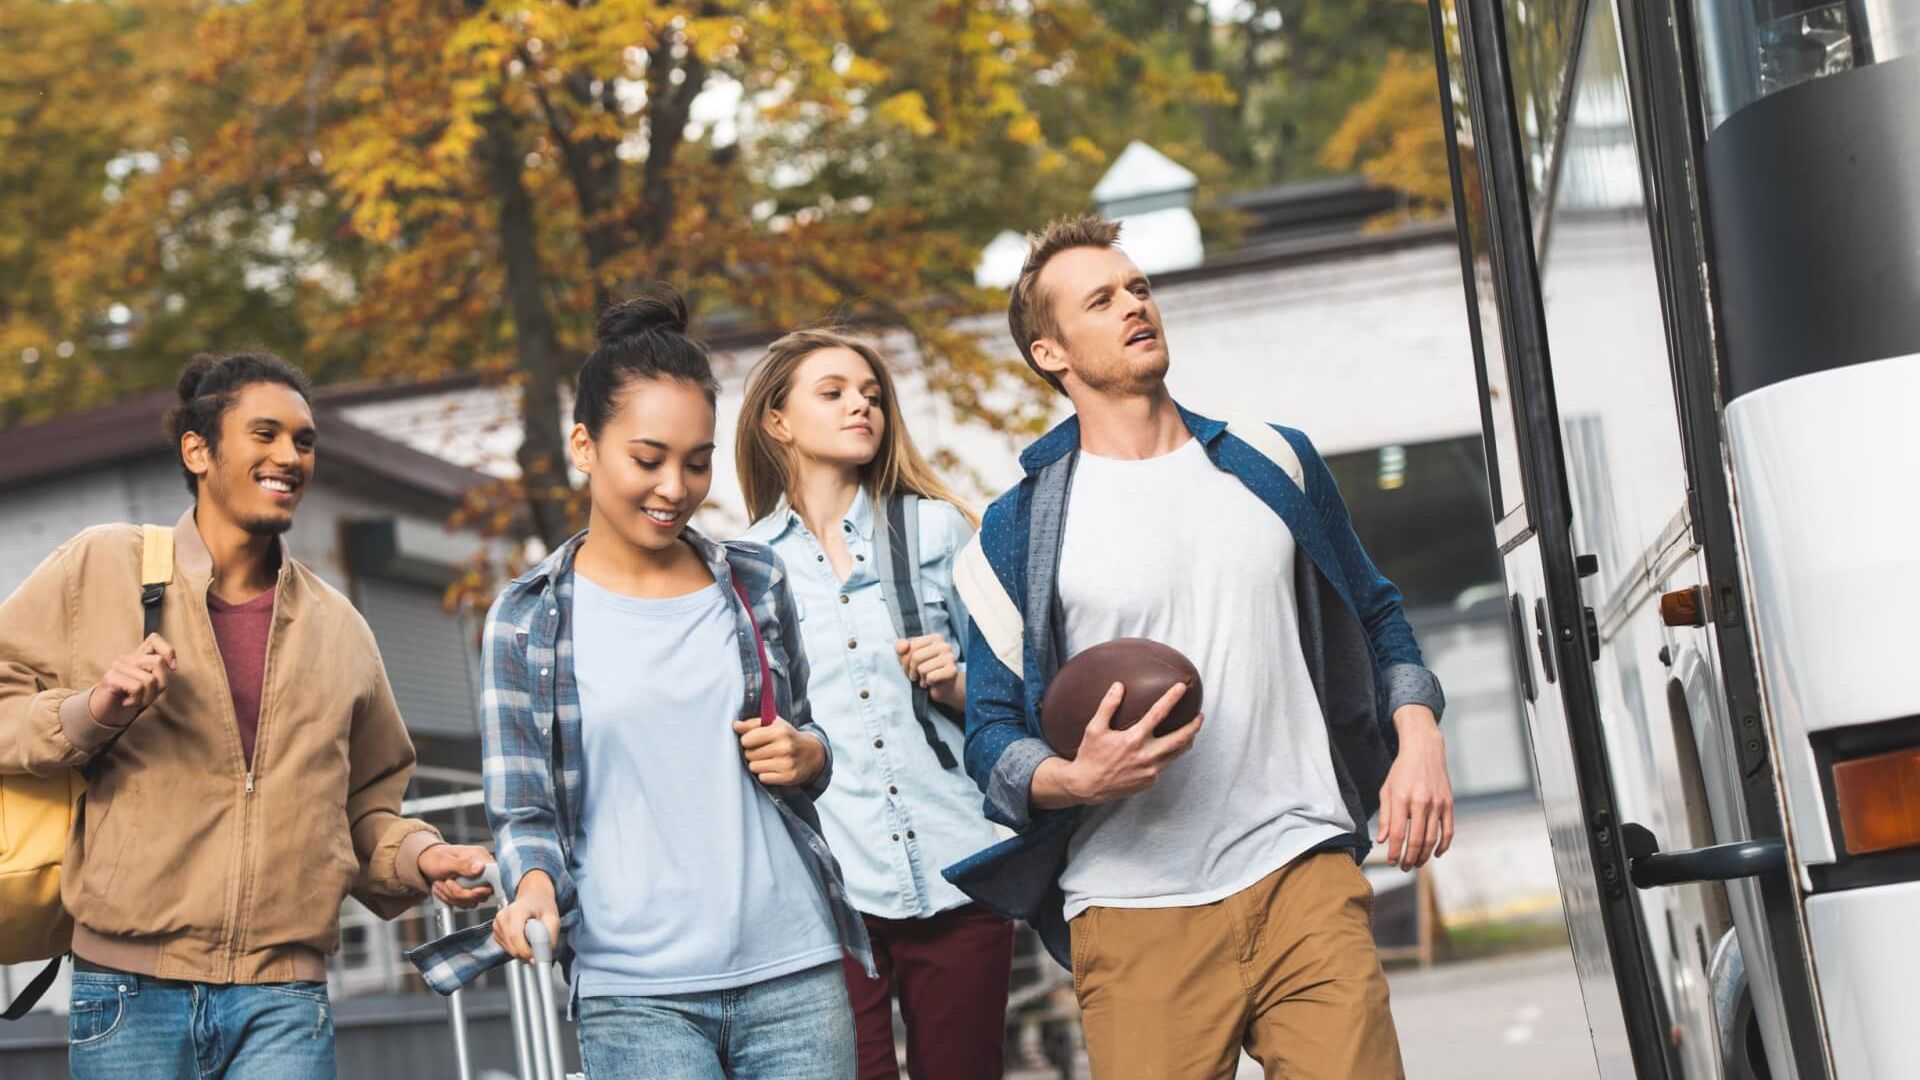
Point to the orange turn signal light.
(1879, 801)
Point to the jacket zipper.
(233, 717)
(242, 888)
(247, 855)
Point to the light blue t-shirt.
(687, 879)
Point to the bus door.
(1502, 109)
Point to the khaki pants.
(1286, 968)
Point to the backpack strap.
(156, 573)
(34, 990)
(896, 536)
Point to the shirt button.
(844, 598)
(861, 558)
(543, 672)
(891, 790)
(909, 834)
(852, 644)
(896, 836)
(863, 695)
(553, 611)
(846, 526)
(878, 743)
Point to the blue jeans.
(162, 1029)
(795, 1027)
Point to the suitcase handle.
(537, 937)
(539, 941)
(489, 877)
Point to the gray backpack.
(897, 548)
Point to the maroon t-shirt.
(241, 632)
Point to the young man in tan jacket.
(246, 762)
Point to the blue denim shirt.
(531, 742)
(894, 816)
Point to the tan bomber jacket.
(183, 864)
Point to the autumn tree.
(1394, 137)
(86, 101)
(413, 186)
(1290, 71)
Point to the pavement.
(1513, 1016)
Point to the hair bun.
(658, 307)
(195, 373)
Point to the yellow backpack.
(37, 815)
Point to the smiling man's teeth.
(662, 516)
(280, 486)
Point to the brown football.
(1147, 669)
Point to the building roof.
(1141, 170)
(132, 429)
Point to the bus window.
(1491, 366)
(1542, 39)
(1611, 375)
(1750, 49)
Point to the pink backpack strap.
(767, 713)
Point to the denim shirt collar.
(1064, 439)
(783, 519)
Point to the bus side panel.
(1865, 942)
(1825, 468)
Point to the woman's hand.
(533, 900)
(779, 754)
(930, 663)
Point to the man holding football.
(1202, 884)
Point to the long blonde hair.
(766, 466)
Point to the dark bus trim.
(1523, 325)
(1669, 126)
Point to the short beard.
(1122, 381)
(266, 527)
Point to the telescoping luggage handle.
(532, 1006)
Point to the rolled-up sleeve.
(514, 778)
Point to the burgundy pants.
(951, 971)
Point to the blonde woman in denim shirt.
(822, 455)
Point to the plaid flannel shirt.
(531, 741)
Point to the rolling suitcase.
(532, 1006)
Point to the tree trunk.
(538, 356)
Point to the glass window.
(1541, 41)
(1752, 48)
(1606, 329)
(1501, 436)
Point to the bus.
(1690, 239)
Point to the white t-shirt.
(1178, 551)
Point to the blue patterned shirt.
(531, 742)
